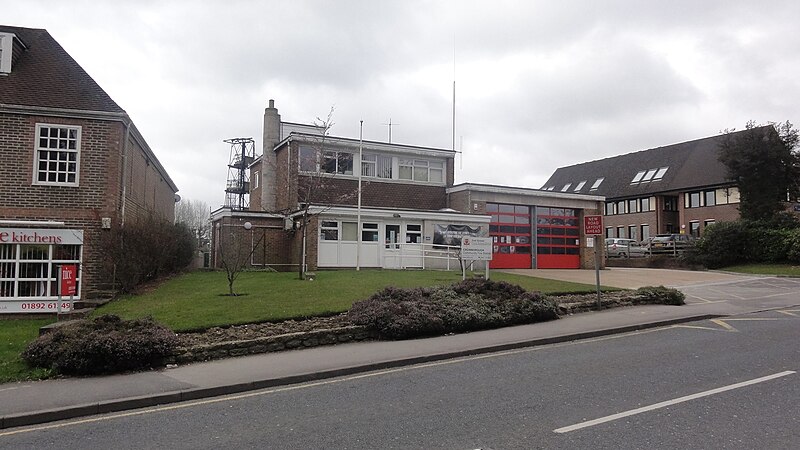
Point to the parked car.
(670, 243)
(624, 248)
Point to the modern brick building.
(679, 188)
(73, 168)
(411, 215)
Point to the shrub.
(106, 344)
(469, 305)
(661, 295)
(144, 250)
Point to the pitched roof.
(45, 75)
(691, 164)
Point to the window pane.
(349, 231)
(436, 175)
(710, 198)
(345, 163)
(308, 159)
(420, 173)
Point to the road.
(726, 383)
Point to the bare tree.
(195, 215)
(235, 247)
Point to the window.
(694, 228)
(255, 179)
(378, 166)
(369, 232)
(337, 162)
(707, 223)
(632, 232)
(609, 208)
(329, 231)
(421, 170)
(566, 186)
(645, 231)
(413, 234)
(609, 232)
(644, 204)
(29, 271)
(580, 186)
(660, 173)
(621, 207)
(633, 206)
(596, 184)
(57, 154)
(692, 199)
(308, 159)
(649, 175)
(670, 203)
(620, 232)
(638, 177)
(710, 198)
(349, 231)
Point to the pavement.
(712, 294)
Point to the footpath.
(28, 403)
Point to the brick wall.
(98, 194)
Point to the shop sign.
(40, 236)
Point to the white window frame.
(57, 140)
(596, 184)
(580, 186)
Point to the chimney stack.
(271, 137)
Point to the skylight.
(566, 186)
(580, 186)
(596, 184)
(649, 175)
(645, 176)
(638, 177)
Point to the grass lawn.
(766, 269)
(14, 336)
(196, 300)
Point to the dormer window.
(6, 46)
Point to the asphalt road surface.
(726, 383)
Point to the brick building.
(411, 213)
(73, 168)
(679, 188)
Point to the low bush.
(105, 344)
(660, 295)
(469, 305)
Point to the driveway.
(633, 278)
(709, 292)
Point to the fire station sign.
(476, 248)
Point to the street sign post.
(476, 249)
(593, 226)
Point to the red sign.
(592, 225)
(68, 277)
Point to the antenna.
(390, 128)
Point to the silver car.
(624, 248)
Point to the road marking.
(790, 312)
(686, 398)
(226, 398)
(723, 325)
(696, 327)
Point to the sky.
(539, 84)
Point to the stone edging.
(266, 344)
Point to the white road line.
(632, 412)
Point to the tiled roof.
(45, 75)
(691, 164)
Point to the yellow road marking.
(723, 325)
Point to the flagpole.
(358, 214)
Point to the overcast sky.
(540, 84)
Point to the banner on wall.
(452, 234)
